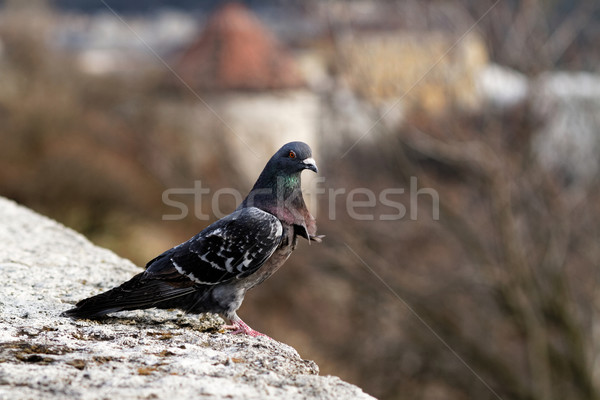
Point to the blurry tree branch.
(530, 283)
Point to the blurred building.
(433, 71)
(395, 60)
(107, 44)
(568, 103)
(253, 98)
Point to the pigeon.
(211, 272)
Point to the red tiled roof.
(235, 51)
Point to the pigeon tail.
(137, 293)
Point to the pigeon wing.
(233, 247)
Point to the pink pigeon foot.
(238, 327)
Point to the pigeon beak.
(310, 163)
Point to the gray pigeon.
(212, 271)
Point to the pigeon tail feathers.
(137, 293)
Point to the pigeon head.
(285, 167)
(292, 158)
(277, 189)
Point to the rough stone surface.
(148, 354)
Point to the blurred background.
(493, 106)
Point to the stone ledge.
(47, 267)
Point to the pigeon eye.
(291, 154)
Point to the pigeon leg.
(238, 327)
